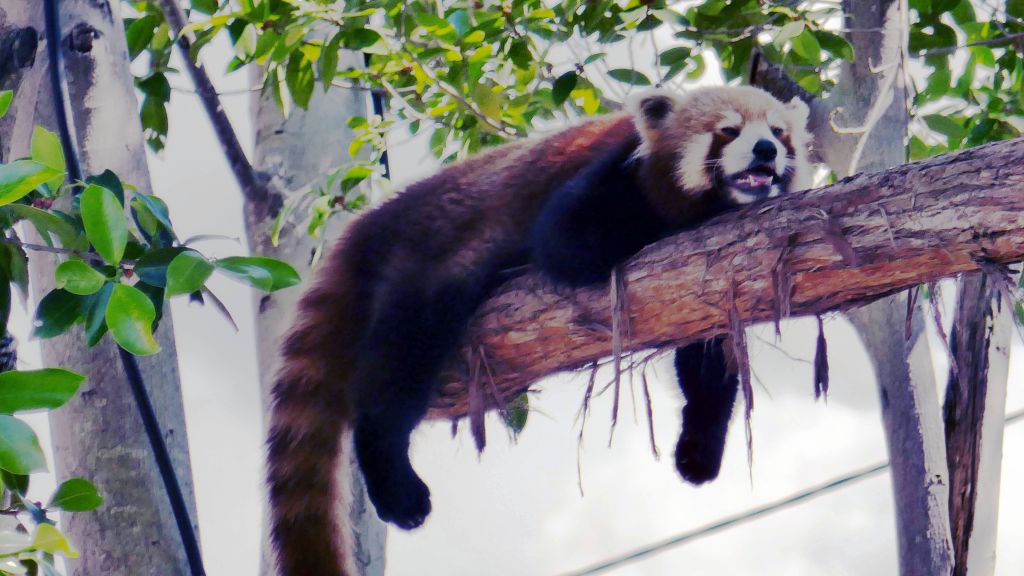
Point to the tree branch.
(242, 170)
(908, 225)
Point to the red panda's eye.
(731, 131)
(777, 132)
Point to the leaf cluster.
(121, 261)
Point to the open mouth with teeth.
(757, 181)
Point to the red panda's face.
(737, 142)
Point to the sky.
(545, 504)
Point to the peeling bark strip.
(964, 407)
(908, 225)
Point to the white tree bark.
(872, 96)
(295, 153)
(99, 434)
(981, 557)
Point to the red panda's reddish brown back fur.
(453, 220)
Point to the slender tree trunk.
(873, 95)
(294, 153)
(99, 434)
(973, 413)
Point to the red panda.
(391, 302)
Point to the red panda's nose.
(765, 150)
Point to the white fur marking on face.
(692, 170)
(740, 197)
(730, 118)
(775, 118)
(738, 154)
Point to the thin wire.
(377, 100)
(59, 87)
(150, 423)
(743, 517)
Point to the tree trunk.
(297, 152)
(838, 247)
(99, 434)
(872, 94)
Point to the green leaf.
(47, 150)
(267, 274)
(835, 44)
(6, 97)
(19, 448)
(78, 277)
(95, 312)
(360, 38)
(14, 265)
(158, 207)
(152, 266)
(129, 316)
(140, 33)
(35, 389)
(245, 46)
(49, 225)
(49, 539)
(57, 312)
(674, 56)
(300, 79)
(630, 76)
(807, 46)
(328, 63)
(204, 6)
(15, 482)
(810, 82)
(21, 177)
(187, 273)
(474, 37)
(516, 414)
(105, 222)
(353, 176)
(76, 495)
(950, 128)
(563, 87)
(789, 31)
(110, 181)
(5, 300)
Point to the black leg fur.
(710, 387)
(405, 348)
(593, 222)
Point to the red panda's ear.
(798, 111)
(652, 108)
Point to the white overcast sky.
(517, 509)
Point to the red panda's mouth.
(753, 180)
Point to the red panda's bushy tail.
(311, 409)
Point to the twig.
(232, 148)
(54, 250)
(491, 123)
(990, 42)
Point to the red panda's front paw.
(404, 503)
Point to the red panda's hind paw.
(405, 504)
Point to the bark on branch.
(841, 246)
